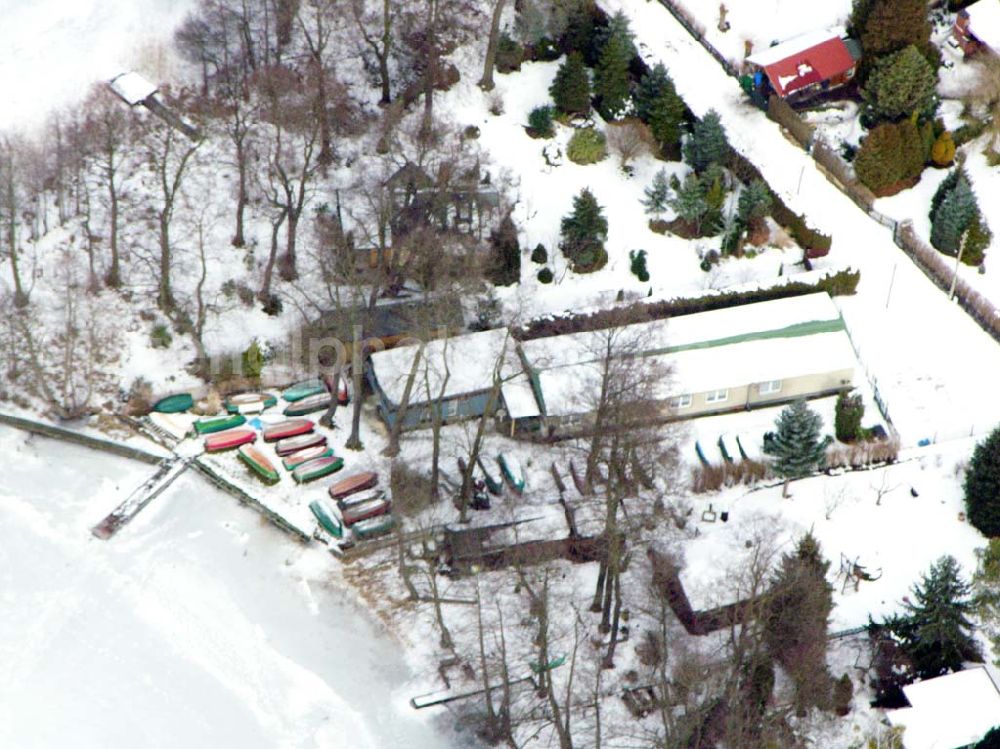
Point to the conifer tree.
(946, 186)
(890, 25)
(953, 217)
(937, 635)
(797, 446)
(505, 263)
(584, 232)
(978, 237)
(982, 486)
(754, 203)
(798, 611)
(658, 105)
(689, 202)
(890, 156)
(708, 144)
(991, 740)
(571, 88)
(581, 35)
(657, 194)
(611, 75)
(651, 87)
(902, 84)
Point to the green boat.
(246, 402)
(512, 471)
(373, 527)
(303, 389)
(317, 468)
(174, 404)
(539, 668)
(492, 479)
(326, 518)
(259, 463)
(219, 423)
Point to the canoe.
(288, 428)
(219, 423)
(303, 389)
(301, 456)
(228, 440)
(512, 471)
(259, 463)
(356, 483)
(372, 527)
(357, 499)
(325, 517)
(492, 477)
(370, 509)
(309, 404)
(249, 402)
(293, 444)
(317, 468)
(174, 404)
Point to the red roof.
(812, 65)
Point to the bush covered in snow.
(587, 146)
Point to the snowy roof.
(468, 361)
(804, 60)
(519, 398)
(132, 87)
(949, 711)
(984, 22)
(732, 347)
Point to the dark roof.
(392, 319)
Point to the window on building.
(681, 401)
(767, 388)
(717, 396)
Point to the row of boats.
(354, 502)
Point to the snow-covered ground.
(197, 625)
(51, 51)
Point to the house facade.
(977, 27)
(804, 66)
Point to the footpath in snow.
(933, 365)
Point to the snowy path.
(934, 366)
(196, 626)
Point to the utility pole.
(958, 262)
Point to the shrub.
(587, 146)
(505, 256)
(540, 122)
(713, 477)
(545, 275)
(843, 693)
(890, 158)
(629, 140)
(510, 54)
(539, 255)
(977, 239)
(902, 84)
(982, 486)
(943, 150)
(638, 264)
(160, 336)
(273, 305)
(850, 411)
(252, 361)
(659, 226)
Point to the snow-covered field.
(197, 626)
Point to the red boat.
(229, 439)
(289, 428)
(292, 444)
(356, 483)
(370, 509)
(301, 456)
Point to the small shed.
(950, 711)
(978, 26)
(132, 88)
(805, 65)
(393, 320)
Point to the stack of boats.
(297, 448)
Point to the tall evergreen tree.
(708, 144)
(946, 186)
(689, 202)
(982, 486)
(611, 75)
(581, 31)
(953, 217)
(890, 25)
(796, 623)
(797, 446)
(891, 155)
(754, 203)
(657, 194)
(991, 740)
(505, 260)
(584, 232)
(651, 87)
(902, 84)
(571, 88)
(938, 634)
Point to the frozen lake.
(197, 626)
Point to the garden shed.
(805, 65)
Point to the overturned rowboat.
(219, 423)
(174, 404)
(372, 527)
(310, 404)
(303, 389)
(370, 509)
(288, 428)
(292, 444)
(250, 402)
(352, 484)
(259, 463)
(301, 456)
(512, 471)
(327, 520)
(492, 477)
(228, 440)
(317, 468)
